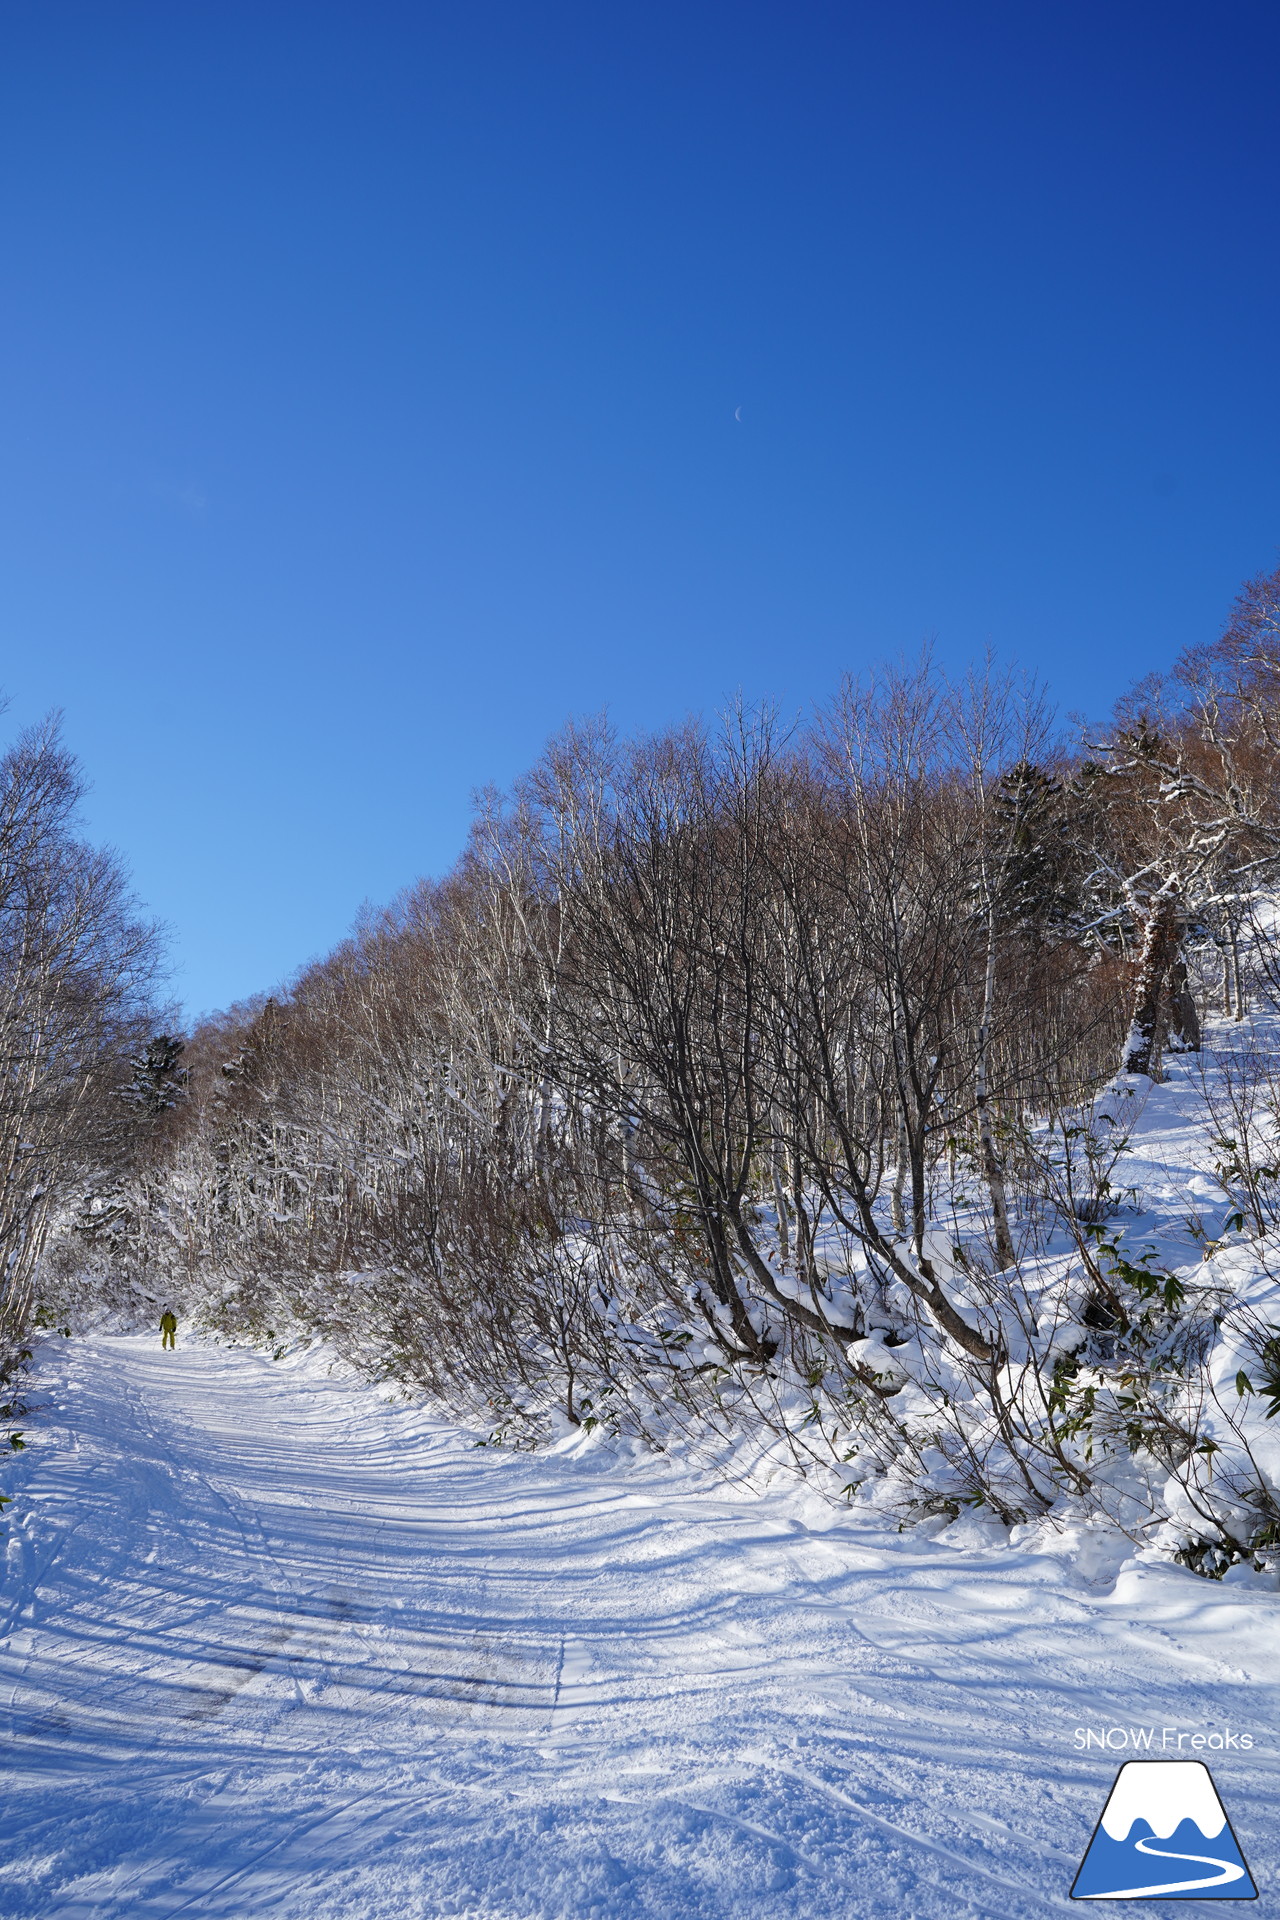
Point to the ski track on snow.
(273, 1647)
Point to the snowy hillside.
(830, 1105)
(277, 1642)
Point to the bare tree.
(77, 967)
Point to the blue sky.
(370, 377)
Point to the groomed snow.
(275, 1647)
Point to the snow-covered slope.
(276, 1647)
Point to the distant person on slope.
(168, 1327)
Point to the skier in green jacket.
(168, 1328)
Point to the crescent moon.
(737, 413)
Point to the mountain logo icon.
(1164, 1834)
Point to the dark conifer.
(1038, 864)
(158, 1080)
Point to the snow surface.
(277, 1647)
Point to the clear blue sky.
(370, 376)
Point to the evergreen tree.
(157, 1081)
(1037, 857)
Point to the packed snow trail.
(276, 1647)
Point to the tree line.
(759, 1078)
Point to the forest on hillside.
(762, 1084)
